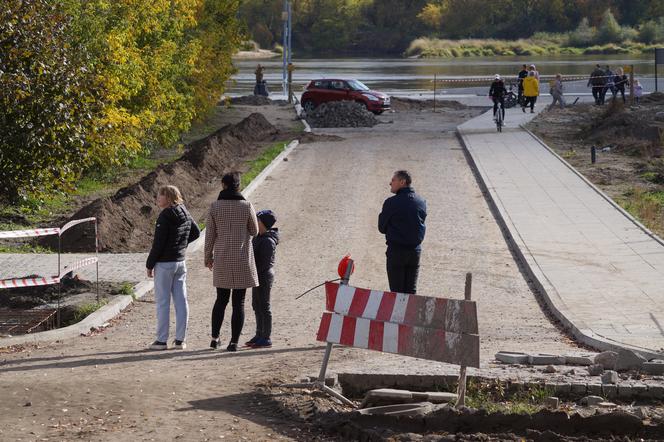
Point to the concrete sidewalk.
(600, 271)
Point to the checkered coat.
(230, 226)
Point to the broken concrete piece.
(579, 359)
(607, 359)
(610, 377)
(595, 369)
(391, 396)
(629, 360)
(546, 359)
(551, 402)
(550, 369)
(509, 357)
(591, 400)
(606, 405)
(412, 410)
(655, 367)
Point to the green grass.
(24, 248)
(256, 166)
(539, 44)
(496, 397)
(84, 310)
(127, 289)
(646, 206)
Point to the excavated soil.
(126, 219)
(313, 409)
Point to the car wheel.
(378, 112)
(308, 106)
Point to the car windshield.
(357, 85)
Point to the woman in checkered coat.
(229, 254)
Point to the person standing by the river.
(530, 91)
(523, 73)
(597, 81)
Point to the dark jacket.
(523, 73)
(265, 246)
(402, 219)
(621, 81)
(175, 229)
(597, 78)
(497, 89)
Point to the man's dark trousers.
(403, 267)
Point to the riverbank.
(433, 47)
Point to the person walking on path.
(621, 82)
(557, 92)
(597, 81)
(523, 73)
(265, 246)
(534, 70)
(402, 223)
(530, 91)
(231, 223)
(175, 229)
(610, 84)
(638, 91)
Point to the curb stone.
(109, 311)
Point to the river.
(414, 77)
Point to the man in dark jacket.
(597, 81)
(497, 93)
(265, 245)
(523, 73)
(402, 223)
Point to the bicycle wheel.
(499, 121)
(510, 100)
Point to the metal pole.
(97, 256)
(655, 74)
(593, 155)
(434, 92)
(631, 84)
(290, 32)
(461, 388)
(328, 348)
(284, 17)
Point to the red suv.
(322, 91)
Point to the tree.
(583, 35)
(48, 100)
(431, 15)
(609, 30)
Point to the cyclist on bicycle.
(497, 93)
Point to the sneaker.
(523, 109)
(158, 345)
(215, 343)
(232, 347)
(263, 343)
(179, 345)
(251, 342)
(532, 111)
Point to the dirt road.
(327, 197)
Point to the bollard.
(593, 154)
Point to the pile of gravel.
(341, 114)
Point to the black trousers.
(530, 101)
(237, 317)
(260, 301)
(597, 94)
(403, 267)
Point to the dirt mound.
(629, 128)
(654, 97)
(310, 137)
(126, 220)
(408, 104)
(251, 100)
(341, 114)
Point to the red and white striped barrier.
(39, 281)
(28, 282)
(29, 233)
(412, 325)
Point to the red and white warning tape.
(27, 282)
(29, 233)
(79, 264)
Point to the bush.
(609, 30)
(583, 35)
(652, 32)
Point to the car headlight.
(371, 97)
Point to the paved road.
(327, 197)
(602, 271)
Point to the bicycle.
(511, 98)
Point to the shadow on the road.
(262, 410)
(60, 362)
